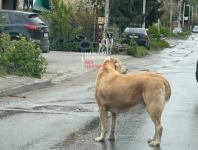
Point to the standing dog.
(106, 44)
(116, 91)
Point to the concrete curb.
(25, 88)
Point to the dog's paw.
(111, 138)
(99, 139)
(149, 140)
(153, 142)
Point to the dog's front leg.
(100, 46)
(103, 120)
(113, 123)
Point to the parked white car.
(195, 29)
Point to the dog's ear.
(107, 59)
(117, 64)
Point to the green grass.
(182, 35)
(159, 44)
(2, 72)
(137, 51)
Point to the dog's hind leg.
(113, 123)
(155, 112)
(103, 124)
(155, 108)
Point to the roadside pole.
(192, 11)
(106, 22)
(144, 12)
(171, 14)
(183, 14)
(179, 17)
(158, 19)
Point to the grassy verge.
(2, 72)
(137, 51)
(182, 35)
(159, 44)
(141, 51)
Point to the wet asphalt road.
(39, 120)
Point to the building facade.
(9, 4)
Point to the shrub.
(2, 71)
(153, 32)
(137, 51)
(61, 24)
(165, 31)
(71, 46)
(21, 57)
(158, 44)
(182, 35)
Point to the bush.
(71, 46)
(165, 31)
(182, 35)
(153, 32)
(61, 24)
(158, 44)
(21, 57)
(137, 51)
(2, 72)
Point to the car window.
(33, 18)
(196, 27)
(16, 19)
(4, 18)
(135, 30)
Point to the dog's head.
(116, 64)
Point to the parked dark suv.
(26, 23)
(139, 34)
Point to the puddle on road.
(88, 103)
(180, 53)
(175, 61)
(76, 139)
(62, 108)
(59, 101)
(177, 54)
(83, 108)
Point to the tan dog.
(117, 92)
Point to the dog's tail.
(167, 90)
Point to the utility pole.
(158, 19)
(106, 22)
(192, 15)
(184, 7)
(95, 6)
(144, 12)
(171, 14)
(179, 15)
(188, 15)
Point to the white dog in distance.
(106, 44)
